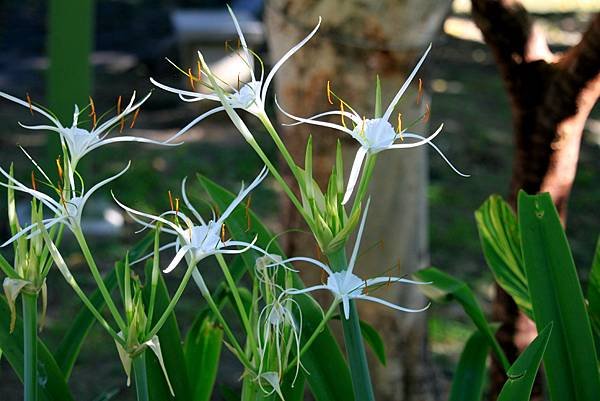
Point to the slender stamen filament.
(93, 112)
(427, 113)
(29, 102)
(135, 116)
(189, 74)
(329, 93)
(33, 181)
(342, 114)
(400, 126)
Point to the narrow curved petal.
(242, 40)
(243, 193)
(295, 291)
(385, 280)
(390, 109)
(192, 96)
(354, 117)
(389, 304)
(357, 242)
(438, 150)
(313, 122)
(51, 222)
(188, 204)
(248, 246)
(194, 122)
(422, 140)
(89, 193)
(26, 230)
(304, 259)
(178, 256)
(285, 57)
(149, 216)
(33, 107)
(130, 108)
(40, 127)
(48, 201)
(354, 173)
(162, 248)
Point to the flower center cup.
(203, 239)
(73, 205)
(375, 134)
(247, 97)
(78, 140)
(344, 283)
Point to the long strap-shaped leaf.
(54, 386)
(328, 375)
(570, 362)
(521, 374)
(469, 378)
(593, 296)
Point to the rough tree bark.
(357, 41)
(551, 97)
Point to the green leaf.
(329, 378)
(202, 351)
(501, 244)
(378, 110)
(55, 387)
(469, 378)
(556, 296)
(445, 288)
(372, 338)
(170, 344)
(521, 374)
(594, 295)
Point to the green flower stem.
(174, 300)
(355, 346)
(154, 278)
(87, 254)
(365, 178)
(238, 302)
(30, 382)
(141, 377)
(313, 336)
(281, 146)
(216, 311)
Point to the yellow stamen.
(342, 110)
(427, 113)
(223, 233)
(420, 93)
(400, 126)
(122, 122)
(177, 206)
(93, 111)
(30, 104)
(199, 71)
(248, 220)
(191, 77)
(170, 200)
(134, 118)
(119, 100)
(33, 181)
(329, 93)
(59, 168)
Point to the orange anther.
(59, 168)
(427, 113)
(171, 200)
(420, 93)
(342, 110)
(93, 111)
(135, 115)
(189, 74)
(30, 105)
(329, 93)
(33, 181)
(248, 220)
(400, 126)
(199, 71)
(119, 100)
(223, 233)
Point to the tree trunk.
(551, 97)
(356, 42)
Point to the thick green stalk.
(141, 377)
(30, 347)
(355, 346)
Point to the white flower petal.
(313, 122)
(354, 173)
(389, 304)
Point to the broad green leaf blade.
(170, 344)
(444, 288)
(469, 378)
(293, 390)
(55, 387)
(329, 378)
(570, 362)
(202, 351)
(594, 294)
(373, 339)
(501, 244)
(521, 374)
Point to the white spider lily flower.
(250, 96)
(375, 134)
(67, 210)
(345, 285)
(196, 241)
(80, 141)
